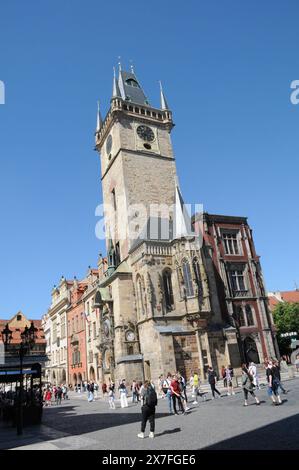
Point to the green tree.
(286, 319)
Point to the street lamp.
(27, 341)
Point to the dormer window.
(132, 82)
(19, 317)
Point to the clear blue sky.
(226, 67)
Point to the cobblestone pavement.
(214, 424)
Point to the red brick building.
(235, 274)
(76, 331)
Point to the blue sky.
(226, 67)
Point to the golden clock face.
(145, 133)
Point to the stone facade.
(163, 307)
(55, 322)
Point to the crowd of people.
(173, 388)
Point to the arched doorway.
(250, 350)
(92, 375)
(74, 379)
(79, 379)
(53, 378)
(63, 376)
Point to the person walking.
(135, 392)
(148, 409)
(104, 389)
(58, 395)
(169, 393)
(183, 385)
(272, 384)
(223, 375)
(253, 372)
(123, 394)
(111, 395)
(195, 382)
(277, 377)
(229, 373)
(177, 396)
(248, 385)
(212, 379)
(48, 397)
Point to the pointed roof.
(130, 88)
(182, 220)
(99, 118)
(115, 89)
(164, 104)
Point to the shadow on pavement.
(169, 431)
(63, 421)
(281, 435)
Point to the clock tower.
(136, 153)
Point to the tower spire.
(164, 104)
(115, 89)
(99, 118)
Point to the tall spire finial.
(99, 118)
(164, 104)
(119, 63)
(115, 89)
(132, 66)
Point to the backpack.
(151, 399)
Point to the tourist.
(176, 395)
(182, 381)
(135, 391)
(223, 375)
(111, 396)
(48, 397)
(148, 409)
(58, 395)
(277, 377)
(195, 382)
(229, 373)
(248, 385)
(123, 394)
(253, 372)
(272, 384)
(104, 389)
(212, 379)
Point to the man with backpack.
(148, 409)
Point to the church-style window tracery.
(167, 290)
(187, 279)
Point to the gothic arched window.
(167, 290)
(249, 315)
(198, 280)
(240, 317)
(140, 301)
(187, 279)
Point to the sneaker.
(195, 402)
(187, 408)
(151, 435)
(141, 435)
